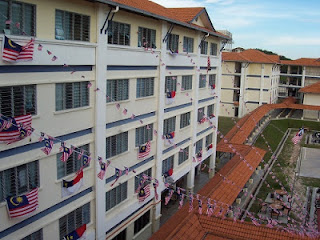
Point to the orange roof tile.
(250, 55)
(302, 62)
(186, 14)
(313, 88)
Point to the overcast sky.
(287, 27)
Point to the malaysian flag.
(102, 170)
(118, 174)
(66, 152)
(125, 111)
(13, 52)
(155, 185)
(144, 150)
(200, 206)
(297, 138)
(144, 193)
(190, 202)
(199, 156)
(181, 197)
(86, 160)
(22, 205)
(209, 64)
(209, 208)
(168, 197)
(48, 144)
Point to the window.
(186, 82)
(169, 125)
(138, 177)
(117, 90)
(171, 84)
(74, 220)
(212, 79)
(202, 81)
(167, 164)
(199, 146)
(173, 43)
(121, 236)
(200, 114)
(144, 134)
(72, 95)
(204, 47)
(116, 195)
(18, 100)
(188, 44)
(119, 33)
(209, 139)
(72, 165)
(72, 26)
(145, 87)
(38, 235)
(185, 120)
(21, 17)
(117, 144)
(19, 180)
(213, 49)
(146, 38)
(210, 110)
(141, 222)
(183, 155)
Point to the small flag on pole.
(66, 152)
(144, 193)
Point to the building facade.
(106, 78)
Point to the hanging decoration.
(144, 151)
(118, 175)
(13, 52)
(66, 152)
(144, 193)
(71, 187)
(155, 186)
(169, 139)
(170, 97)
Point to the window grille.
(186, 82)
(171, 84)
(119, 33)
(38, 235)
(19, 180)
(188, 44)
(141, 222)
(146, 37)
(213, 49)
(117, 144)
(199, 146)
(116, 195)
(74, 220)
(204, 47)
(209, 139)
(173, 43)
(210, 110)
(184, 155)
(144, 134)
(145, 87)
(167, 164)
(22, 16)
(72, 95)
(138, 177)
(212, 79)
(72, 26)
(72, 165)
(202, 81)
(18, 100)
(185, 119)
(121, 236)
(200, 114)
(169, 125)
(117, 90)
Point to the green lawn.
(225, 124)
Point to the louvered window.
(141, 222)
(183, 155)
(146, 37)
(72, 26)
(204, 47)
(19, 180)
(212, 79)
(213, 49)
(38, 235)
(202, 81)
(117, 90)
(173, 43)
(186, 83)
(17, 18)
(145, 87)
(210, 110)
(121, 236)
(185, 119)
(138, 177)
(188, 44)
(169, 125)
(72, 95)
(72, 165)
(144, 134)
(209, 139)
(200, 114)
(116, 195)
(119, 33)
(171, 84)
(18, 100)
(167, 164)
(199, 146)
(74, 220)
(117, 144)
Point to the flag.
(142, 180)
(118, 106)
(200, 206)
(155, 185)
(80, 154)
(15, 129)
(86, 160)
(125, 111)
(297, 138)
(66, 152)
(133, 116)
(22, 205)
(54, 58)
(199, 156)
(170, 97)
(144, 193)
(209, 208)
(13, 52)
(73, 186)
(209, 149)
(144, 150)
(213, 89)
(209, 65)
(181, 197)
(40, 47)
(76, 234)
(169, 139)
(190, 202)
(49, 53)
(102, 170)
(48, 144)
(118, 175)
(168, 197)
(212, 118)
(126, 170)
(89, 85)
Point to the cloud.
(179, 3)
(294, 40)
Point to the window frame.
(183, 155)
(185, 120)
(188, 44)
(204, 47)
(167, 164)
(147, 172)
(173, 43)
(209, 139)
(143, 135)
(37, 235)
(170, 84)
(145, 87)
(210, 110)
(186, 82)
(199, 146)
(125, 36)
(169, 125)
(202, 81)
(212, 79)
(118, 147)
(201, 114)
(119, 194)
(214, 50)
(142, 222)
(117, 90)
(150, 35)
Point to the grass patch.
(311, 182)
(225, 124)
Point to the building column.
(100, 121)
(242, 89)
(261, 85)
(212, 164)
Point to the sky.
(286, 27)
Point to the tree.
(272, 53)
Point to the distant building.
(227, 43)
(311, 96)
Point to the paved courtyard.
(310, 164)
